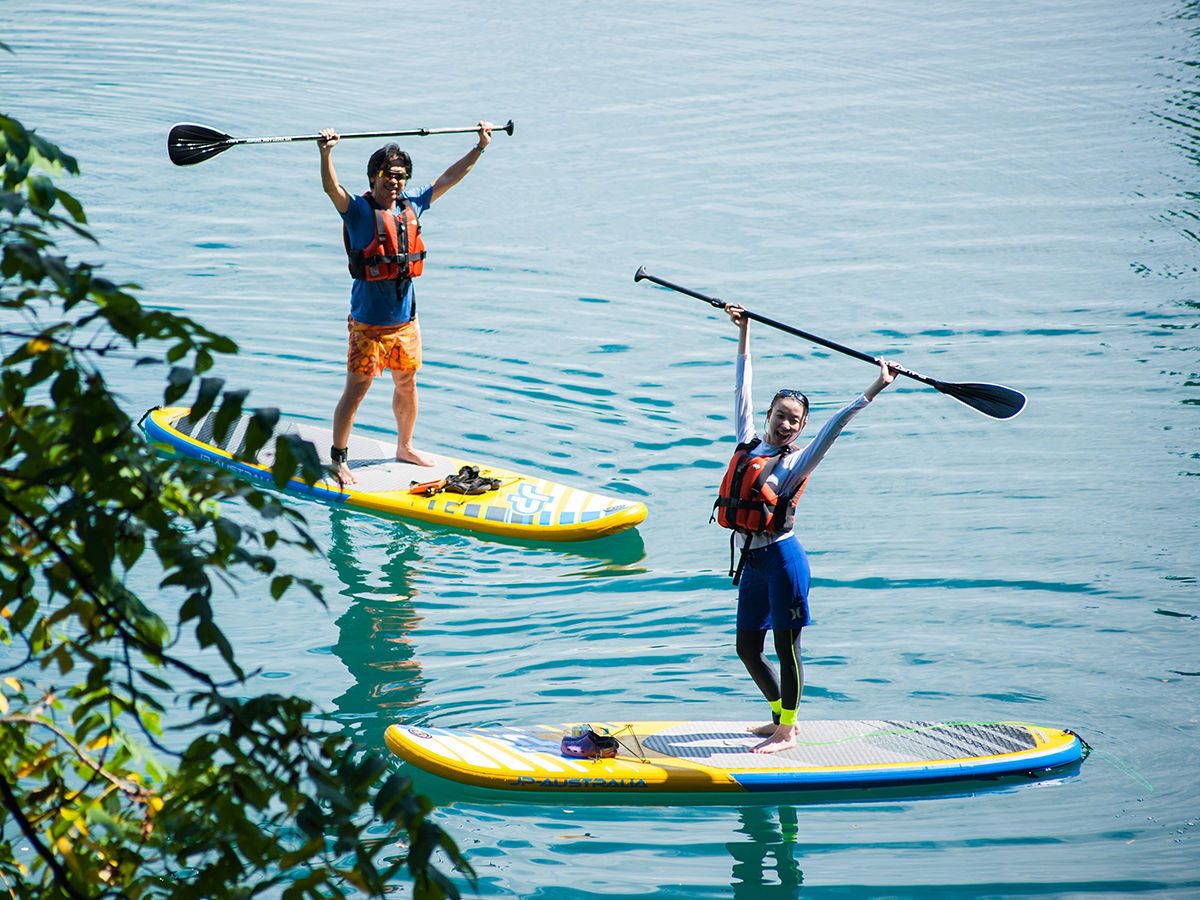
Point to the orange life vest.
(746, 502)
(750, 506)
(397, 251)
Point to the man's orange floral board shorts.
(376, 348)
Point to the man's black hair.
(385, 155)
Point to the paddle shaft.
(417, 132)
(816, 339)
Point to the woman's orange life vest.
(746, 503)
(397, 251)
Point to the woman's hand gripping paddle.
(994, 400)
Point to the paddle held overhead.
(188, 144)
(993, 400)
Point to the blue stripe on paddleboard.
(909, 775)
(159, 434)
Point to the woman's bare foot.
(410, 455)
(763, 730)
(782, 738)
(345, 476)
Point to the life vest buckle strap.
(736, 572)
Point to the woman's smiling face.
(785, 420)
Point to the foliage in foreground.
(126, 767)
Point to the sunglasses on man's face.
(394, 176)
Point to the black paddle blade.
(188, 144)
(993, 400)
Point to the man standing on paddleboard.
(386, 252)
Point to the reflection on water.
(615, 555)
(374, 632)
(385, 566)
(765, 866)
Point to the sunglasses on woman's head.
(795, 395)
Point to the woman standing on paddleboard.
(758, 495)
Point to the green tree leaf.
(245, 795)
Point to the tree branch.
(61, 875)
(134, 793)
(113, 619)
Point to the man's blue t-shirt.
(375, 302)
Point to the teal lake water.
(985, 192)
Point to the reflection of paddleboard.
(705, 757)
(524, 506)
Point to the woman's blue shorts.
(773, 592)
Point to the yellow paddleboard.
(709, 757)
(523, 506)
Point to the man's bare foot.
(783, 738)
(345, 476)
(763, 730)
(411, 455)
